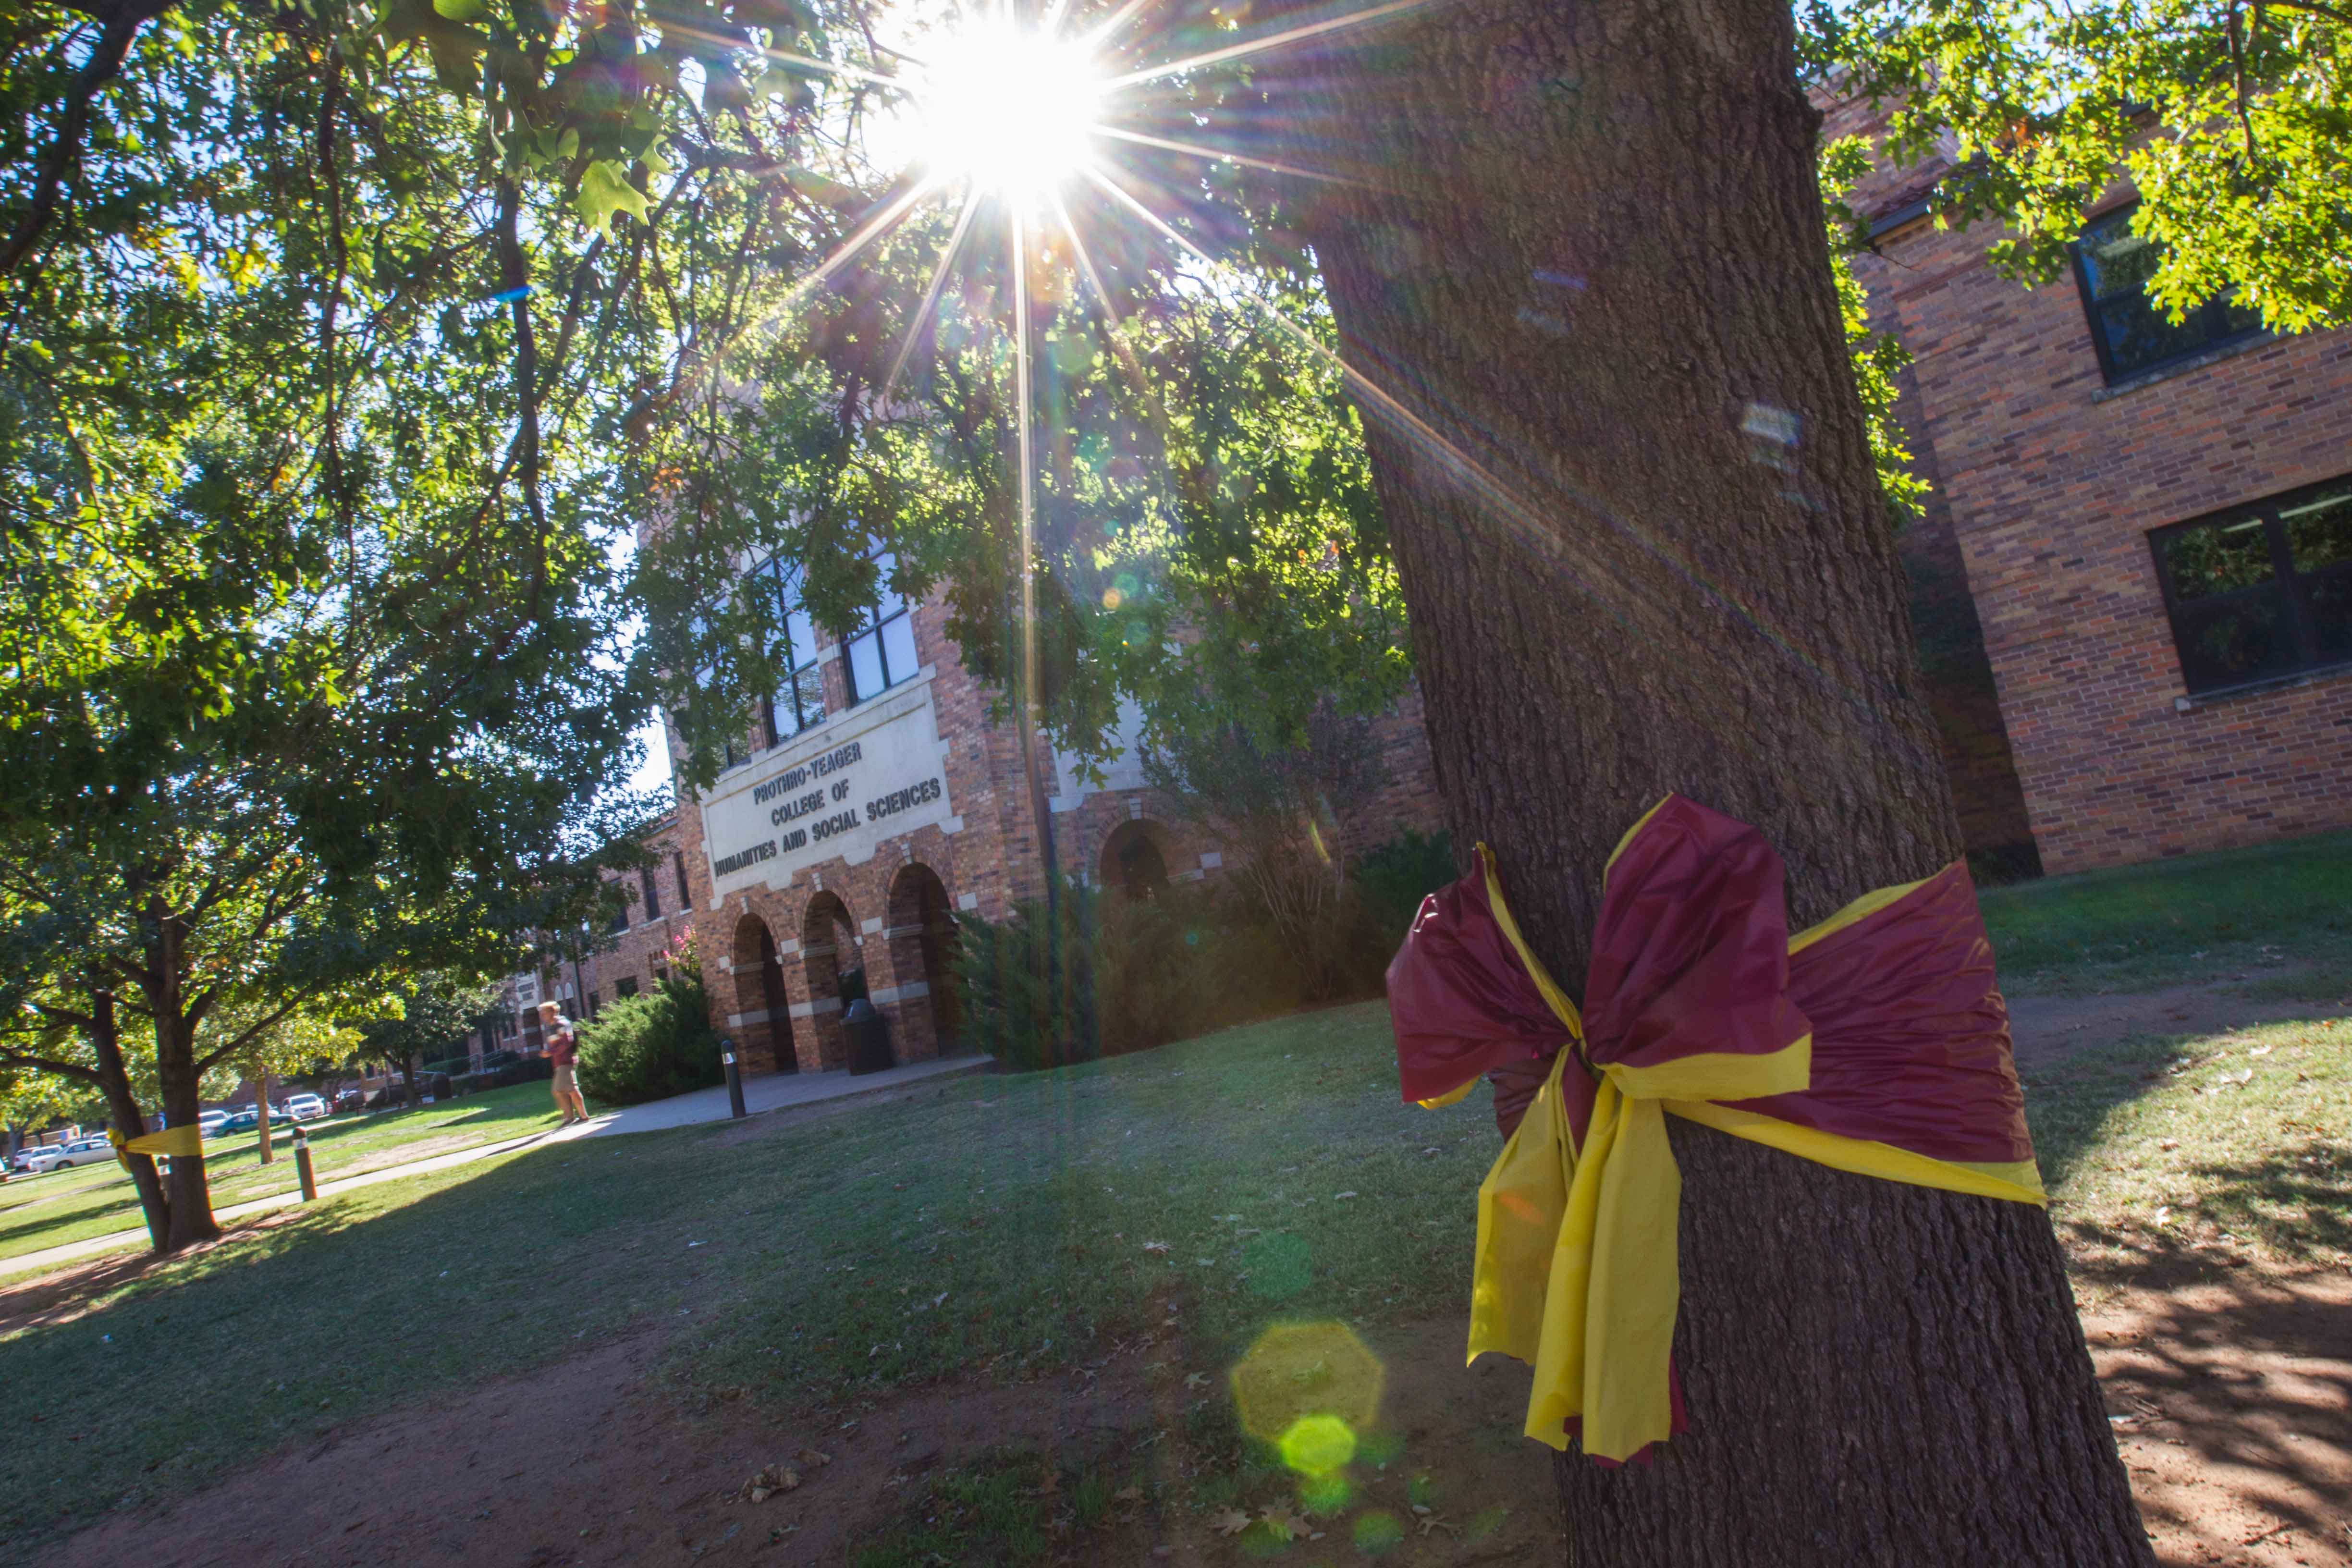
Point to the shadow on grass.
(311, 1314)
(27, 1234)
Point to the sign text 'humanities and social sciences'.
(874, 773)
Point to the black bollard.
(734, 1080)
(303, 1166)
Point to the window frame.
(782, 580)
(651, 905)
(2288, 585)
(874, 631)
(2212, 313)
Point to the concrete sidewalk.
(774, 1091)
(770, 1091)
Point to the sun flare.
(1009, 110)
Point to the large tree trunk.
(1627, 476)
(180, 1085)
(188, 1190)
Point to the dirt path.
(2045, 1028)
(594, 1464)
(2235, 1401)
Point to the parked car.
(85, 1152)
(209, 1122)
(304, 1108)
(42, 1160)
(351, 1098)
(241, 1119)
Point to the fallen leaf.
(1196, 1380)
(1286, 1525)
(2260, 1051)
(811, 1458)
(1337, 1196)
(1128, 1494)
(1233, 1521)
(1155, 1246)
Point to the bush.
(1127, 974)
(651, 1046)
(451, 1067)
(1388, 886)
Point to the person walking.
(563, 1051)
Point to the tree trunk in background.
(1644, 549)
(269, 1155)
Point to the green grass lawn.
(1010, 1229)
(2165, 923)
(94, 1199)
(2239, 1144)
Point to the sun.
(1008, 110)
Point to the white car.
(208, 1122)
(85, 1152)
(47, 1158)
(304, 1108)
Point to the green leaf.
(460, 10)
(604, 189)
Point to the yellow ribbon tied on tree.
(176, 1140)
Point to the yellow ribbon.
(188, 1139)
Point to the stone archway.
(761, 1021)
(1135, 859)
(926, 1009)
(828, 946)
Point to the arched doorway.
(1135, 859)
(762, 1023)
(923, 933)
(828, 950)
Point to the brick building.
(2153, 525)
(633, 953)
(874, 802)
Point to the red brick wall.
(2052, 482)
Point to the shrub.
(651, 1046)
(1387, 887)
(1126, 975)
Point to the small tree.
(1278, 812)
(418, 1022)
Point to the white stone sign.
(876, 772)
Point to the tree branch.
(119, 27)
(514, 278)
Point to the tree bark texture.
(179, 1082)
(1617, 443)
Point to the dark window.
(685, 894)
(799, 699)
(2131, 333)
(660, 973)
(882, 649)
(704, 679)
(624, 987)
(652, 892)
(620, 915)
(2260, 591)
(592, 1004)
